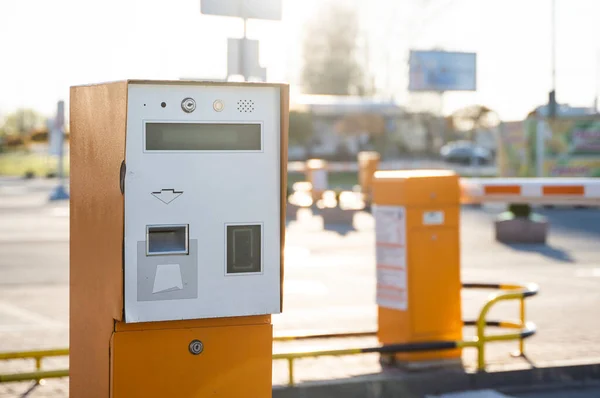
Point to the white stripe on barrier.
(471, 189)
(532, 190)
(592, 190)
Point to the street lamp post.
(552, 95)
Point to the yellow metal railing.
(324, 335)
(527, 329)
(37, 356)
(510, 292)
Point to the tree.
(22, 122)
(331, 53)
(472, 118)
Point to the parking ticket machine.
(177, 230)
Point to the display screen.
(203, 137)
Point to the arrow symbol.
(167, 195)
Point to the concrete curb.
(394, 383)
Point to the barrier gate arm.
(551, 191)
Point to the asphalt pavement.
(587, 392)
(329, 286)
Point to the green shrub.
(520, 209)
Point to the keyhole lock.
(188, 105)
(196, 347)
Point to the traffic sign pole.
(58, 131)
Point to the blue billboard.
(442, 71)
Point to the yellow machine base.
(235, 362)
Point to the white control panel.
(202, 201)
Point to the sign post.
(441, 71)
(243, 53)
(57, 144)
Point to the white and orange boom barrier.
(545, 191)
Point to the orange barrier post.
(368, 162)
(418, 261)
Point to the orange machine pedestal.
(418, 260)
(154, 360)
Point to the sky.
(47, 46)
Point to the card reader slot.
(244, 249)
(163, 240)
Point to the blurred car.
(466, 152)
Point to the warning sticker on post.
(390, 237)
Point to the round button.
(218, 105)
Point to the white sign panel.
(442, 71)
(390, 235)
(255, 9)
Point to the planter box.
(510, 229)
(336, 215)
